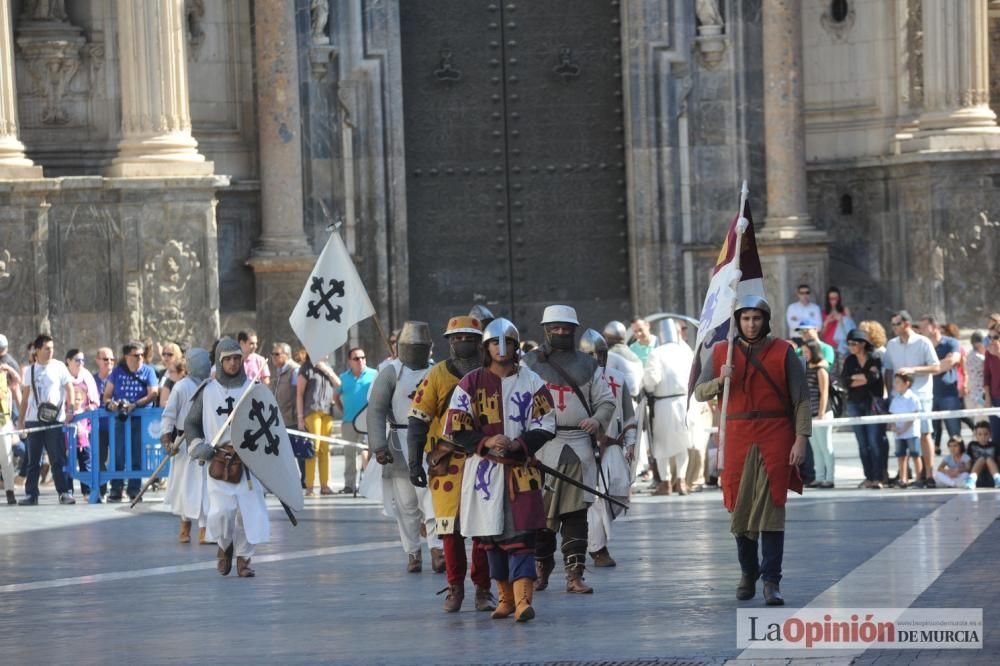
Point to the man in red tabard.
(768, 424)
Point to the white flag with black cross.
(333, 300)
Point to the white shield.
(260, 439)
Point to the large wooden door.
(514, 142)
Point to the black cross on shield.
(264, 424)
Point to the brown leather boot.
(243, 569)
(437, 560)
(747, 589)
(574, 581)
(602, 558)
(415, 563)
(224, 563)
(663, 488)
(453, 602)
(543, 568)
(201, 537)
(185, 535)
(484, 599)
(507, 604)
(523, 591)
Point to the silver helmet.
(615, 330)
(560, 314)
(592, 342)
(482, 313)
(501, 330)
(668, 331)
(753, 302)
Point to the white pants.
(409, 513)
(237, 514)
(943, 479)
(7, 457)
(598, 525)
(187, 488)
(674, 467)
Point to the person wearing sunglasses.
(132, 386)
(801, 310)
(352, 396)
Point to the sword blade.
(573, 482)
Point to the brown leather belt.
(750, 416)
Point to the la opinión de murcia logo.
(860, 629)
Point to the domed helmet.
(482, 313)
(753, 302)
(463, 349)
(594, 344)
(615, 332)
(413, 344)
(501, 330)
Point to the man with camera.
(132, 385)
(45, 404)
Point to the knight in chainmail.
(237, 513)
(388, 409)
(584, 408)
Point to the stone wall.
(916, 233)
(100, 261)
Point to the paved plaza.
(105, 584)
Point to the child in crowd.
(907, 432)
(953, 472)
(983, 455)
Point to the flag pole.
(741, 226)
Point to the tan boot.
(437, 560)
(185, 535)
(682, 487)
(224, 560)
(414, 563)
(243, 569)
(523, 591)
(201, 538)
(543, 568)
(506, 606)
(602, 558)
(574, 580)
(453, 602)
(663, 488)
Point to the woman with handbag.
(862, 374)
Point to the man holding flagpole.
(765, 420)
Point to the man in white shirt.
(912, 354)
(48, 383)
(801, 310)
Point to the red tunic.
(773, 435)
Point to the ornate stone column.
(156, 117)
(792, 249)
(282, 258)
(784, 120)
(956, 113)
(13, 163)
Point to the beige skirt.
(755, 511)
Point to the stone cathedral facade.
(171, 167)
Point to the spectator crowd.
(852, 369)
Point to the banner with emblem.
(261, 440)
(333, 300)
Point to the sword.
(150, 480)
(559, 475)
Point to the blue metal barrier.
(107, 426)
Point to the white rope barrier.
(28, 431)
(332, 440)
(850, 421)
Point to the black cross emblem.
(332, 311)
(228, 409)
(251, 437)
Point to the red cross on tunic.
(614, 386)
(561, 390)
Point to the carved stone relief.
(194, 14)
(319, 16)
(169, 273)
(914, 95)
(710, 42)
